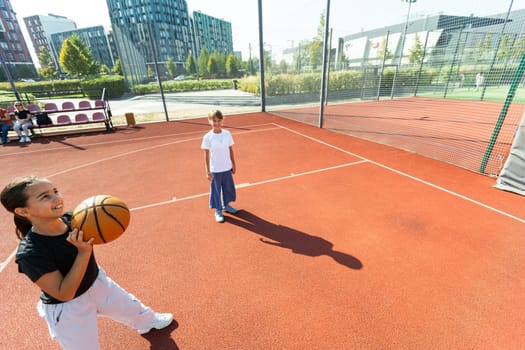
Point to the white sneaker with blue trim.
(161, 321)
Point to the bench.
(70, 115)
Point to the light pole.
(402, 47)
(403, 39)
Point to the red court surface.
(340, 243)
(453, 131)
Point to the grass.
(493, 94)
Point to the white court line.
(410, 176)
(149, 148)
(8, 260)
(248, 184)
(146, 138)
(362, 160)
(274, 127)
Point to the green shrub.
(250, 84)
(92, 88)
(114, 84)
(184, 85)
(286, 84)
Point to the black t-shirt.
(38, 255)
(23, 114)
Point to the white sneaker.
(28, 139)
(160, 321)
(22, 139)
(218, 216)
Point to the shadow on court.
(285, 237)
(161, 339)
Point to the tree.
(190, 66)
(342, 61)
(283, 67)
(300, 57)
(415, 54)
(250, 66)
(504, 48)
(104, 69)
(47, 69)
(267, 56)
(316, 53)
(483, 48)
(202, 62)
(316, 46)
(212, 66)
(519, 47)
(171, 67)
(384, 51)
(76, 58)
(117, 68)
(221, 61)
(231, 64)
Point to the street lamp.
(403, 39)
(402, 47)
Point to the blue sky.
(285, 21)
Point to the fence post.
(453, 62)
(261, 57)
(421, 64)
(489, 74)
(382, 66)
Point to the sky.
(285, 22)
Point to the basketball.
(103, 217)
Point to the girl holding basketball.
(219, 164)
(74, 289)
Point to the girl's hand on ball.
(76, 238)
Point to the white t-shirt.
(219, 147)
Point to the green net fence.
(436, 84)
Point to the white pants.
(24, 126)
(73, 324)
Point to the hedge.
(92, 88)
(184, 85)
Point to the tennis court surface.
(340, 243)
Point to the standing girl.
(74, 289)
(219, 164)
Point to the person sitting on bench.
(5, 125)
(23, 120)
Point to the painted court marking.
(146, 138)
(248, 184)
(244, 185)
(410, 176)
(138, 150)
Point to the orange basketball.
(103, 217)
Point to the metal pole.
(8, 74)
(382, 66)
(157, 71)
(453, 63)
(421, 65)
(261, 58)
(403, 38)
(328, 73)
(496, 52)
(325, 60)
